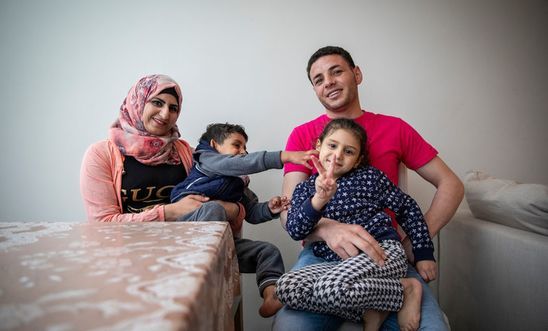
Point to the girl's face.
(345, 146)
(160, 114)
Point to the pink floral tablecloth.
(146, 276)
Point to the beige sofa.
(493, 263)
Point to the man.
(335, 79)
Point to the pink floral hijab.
(129, 133)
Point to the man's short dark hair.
(220, 131)
(329, 50)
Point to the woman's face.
(160, 114)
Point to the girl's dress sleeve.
(408, 215)
(301, 216)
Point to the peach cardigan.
(101, 183)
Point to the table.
(104, 276)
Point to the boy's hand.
(427, 269)
(299, 157)
(278, 204)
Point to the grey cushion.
(507, 202)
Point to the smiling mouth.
(334, 94)
(159, 122)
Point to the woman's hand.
(184, 206)
(326, 185)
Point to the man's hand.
(427, 269)
(349, 240)
(277, 204)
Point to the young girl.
(349, 190)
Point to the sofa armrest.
(492, 277)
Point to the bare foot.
(271, 303)
(372, 319)
(409, 316)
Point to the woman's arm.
(184, 206)
(100, 180)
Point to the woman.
(129, 176)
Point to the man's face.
(335, 82)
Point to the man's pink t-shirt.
(390, 141)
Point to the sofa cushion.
(503, 201)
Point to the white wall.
(471, 76)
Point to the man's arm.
(346, 240)
(290, 181)
(449, 194)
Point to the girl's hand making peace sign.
(326, 184)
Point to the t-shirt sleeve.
(416, 151)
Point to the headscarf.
(128, 131)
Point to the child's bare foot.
(409, 316)
(372, 319)
(271, 303)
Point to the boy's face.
(233, 145)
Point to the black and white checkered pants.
(348, 288)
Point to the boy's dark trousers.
(262, 258)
